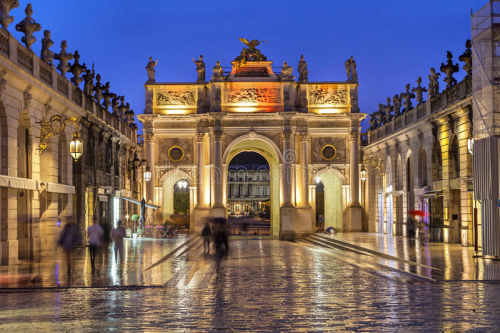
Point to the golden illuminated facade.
(305, 130)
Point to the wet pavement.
(261, 285)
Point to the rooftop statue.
(46, 54)
(433, 83)
(28, 26)
(218, 72)
(5, 7)
(122, 108)
(107, 96)
(302, 69)
(250, 53)
(63, 58)
(76, 69)
(200, 69)
(396, 100)
(114, 106)
(418, 90)
(150, 67)
(373, 121)
(466, 57)
(99, 88)
(388, 109)
(88, 77)
(449, 69)
(350, 69)
(407, 96)
(286, 72)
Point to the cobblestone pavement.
(261, 285)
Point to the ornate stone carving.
(200, 137)
(150, 68)
(317, 145)
(88, 77)
(184, 98)
(449, 69)
(218, 72)
(433, 83)
(418, 90)
(76, 69)
(5, 7)
(396, 100)
(407, 96)
(149, 137)
(47, 55)
(302, 69)
(303, 136)
(28, 26)
(200, 69)
(63, 58)
(324, 97)
(27, 97)
(374, 123)
(218, 135)
(354, 136)
(387, 110)
(466, 57)
(350, 69)
(251, 53)
(114, 105)
(252, 135)
(287, 135)
(253, 95)
(48, 107)
(3, 81)
(107, 96)
(99, 88)
(286, 72)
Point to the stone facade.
(37, 189)
(193, 130)
(418, 160)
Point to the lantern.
(76, 146)
(363, 175)
(147, 174)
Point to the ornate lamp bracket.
(54, 126)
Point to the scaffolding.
(486, 70)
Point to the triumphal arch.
(307, 131)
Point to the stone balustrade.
(32, 64)
(422, 112)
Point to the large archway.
(332, 181)
(265, 147)
(172, 179)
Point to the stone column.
(355, 222)
(200, 168)
(192, 204)
(218, 209)
(288, 159)
(149, 141)
(354, 169)
(304, 179)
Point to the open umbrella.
(417, 212)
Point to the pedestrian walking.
(95, 234)
(106, 239)
(117, 235)
(206, 233)
(69, 240)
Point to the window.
(257, 190)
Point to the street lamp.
(137, 163)
(363, 175)
(76, 146)
(147, 174)
(470, 144)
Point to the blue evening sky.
(393, 41)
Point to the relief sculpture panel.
(164, 145)
(179, 98)
(252, 96)
(334, 95)
(338, 142)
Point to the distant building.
(248, 188)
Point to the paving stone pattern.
(261, 285)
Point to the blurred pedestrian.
(106, 239)
(69, 240)
(95, 234)
(206, 233)
(245, 228)
(117, 235)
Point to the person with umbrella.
(420, 223)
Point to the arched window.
(437, 162)
(422, 166)
(455, 159)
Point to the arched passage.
(265, 147)
(389, 211)
(332, 181)
(168, 182)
